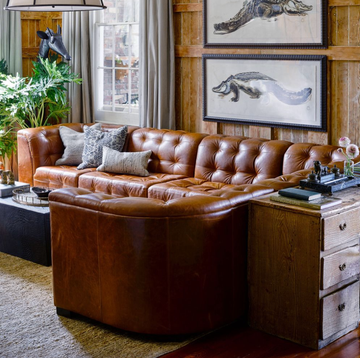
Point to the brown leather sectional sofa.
(164, 254)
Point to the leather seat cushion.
(56, 177)
(236, 194)
(123, 185)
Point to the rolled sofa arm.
(285, 181)
(293, 179)
(39, 147)
(148, 265)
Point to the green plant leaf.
(32, 101)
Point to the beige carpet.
(30, 327)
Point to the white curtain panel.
(157, 64)
(77, 34)
(10, 39)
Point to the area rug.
(30, 327)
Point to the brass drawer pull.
(342, 267)
(341, 307)
(342, 226)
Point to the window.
(117, 63)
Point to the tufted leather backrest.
(302, 155)
(173, 152)
(239, 160)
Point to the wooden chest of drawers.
(303, 269)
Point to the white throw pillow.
(74, 145)
(133, 163)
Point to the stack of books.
(357, 168)
(305, 198)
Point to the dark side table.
(25, 231)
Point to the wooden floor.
(240, 341)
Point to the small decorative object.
(322, 172)
(7, 190)
(317, 168)
(51, 40)
(11, 178)
(351, 152)
(26, 196)
(41, 192)
(335, 170)
(349, 168)
(4, 175)
(313, 177)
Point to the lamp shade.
(54, 5)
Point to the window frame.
(101, 114)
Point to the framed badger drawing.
(265, 23)
(266, 90)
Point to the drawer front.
(340, 310)
(340, 266)
(340, 228)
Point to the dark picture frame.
(256, 24)
(285, 91)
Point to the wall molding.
(188, 7)
(343, 2)
(334, 53)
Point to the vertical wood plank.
(332, 25)
(234, 129)
(354, 26)
(177, 28)
(209, 127)
(319, 138)
(342, 26)
(227, 129)
(242, 131)
(185, 92)
(195, 100)
(178, 94)
(186, 29)
(260, 132)
(354, 102)
(195, 29)
(340, 101)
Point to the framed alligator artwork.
(286, 91)
(265, 23)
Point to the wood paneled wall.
(343, 89)
(31, 22)
(343, 70)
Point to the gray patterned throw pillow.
(73, 142)
(94, 142)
